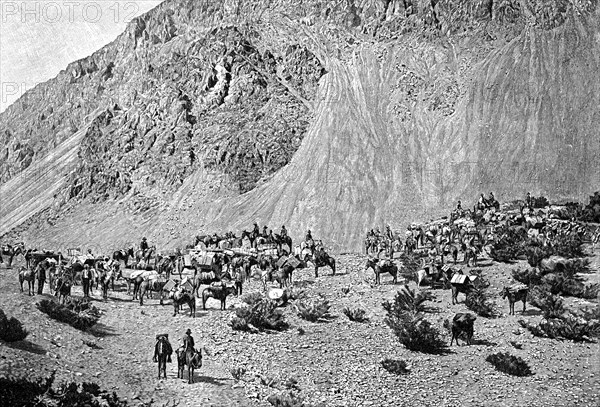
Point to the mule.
(519, 294)
(388, 267)
(63, 288)
(320, 259)
(462, 325)
(152, 285)
(218, 292)
(192, 359)
(11, 252)
(28, 275)
(184, 298)
(123, 255)
(162, 352)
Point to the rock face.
(333, 117)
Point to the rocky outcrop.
(332, 116)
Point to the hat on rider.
(143, 238)
(188, 331)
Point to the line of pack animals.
(224, 263)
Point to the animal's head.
(504, 292)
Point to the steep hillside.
(329, 116)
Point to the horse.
(184, 298)
(166, 265)
(28, 275)
(162, 353)
(218, 292)
(462, 324)
(386, 267)
(449, 249)
(320, 259)
(152, 285)
(140, 255)
(464, 288)
(410, 245)
(519, 294)
(11, 252)
(284, 275)
(192, 359)
(123, 255)
(281, 240)
(63, 288)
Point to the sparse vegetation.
(11, 330)
(395, 366)
(567, 326)
(478, 300)
(509, 364)
(40, 393)
(509, 246)
(286, 400)
(405, 318)
(237, 372)
(539, 202)
(356, 315)
(261, 316)
(253, 298)
(80, 314)
(314, 310)
(550, 304)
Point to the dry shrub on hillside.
(314, 310)
(40, 393)
(405, 318)
(80, 314)
(252, 298)
(509, 246)
(11, 330)
(356, 315)
(568, 326)
(479, 301)
(509, 364)
(395, 366)
(263, 315)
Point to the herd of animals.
(224, 263)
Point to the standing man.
(143, 247)
(41, 275)
(528, 200)
(85, 279)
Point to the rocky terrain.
(325, 115)
(117, 353)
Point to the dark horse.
(162, 353)
(320, 259)
(11, 252)
(123, 255)
(386, 268)
(281, 240)
(192, 359)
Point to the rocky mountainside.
(333, 116)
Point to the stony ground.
(335, 363)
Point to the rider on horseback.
(144, 246)
(188, 341)
(388, 233)
(265, 232)
(256, 230)
(283, 233)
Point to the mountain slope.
(333, 117)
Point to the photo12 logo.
(52, 12)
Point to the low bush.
(39, 393)
(252, 298)
(569, 246)
(314, 310)
(566, 327)
(478, 300)
(509, 246)
(11, 330)
(237, 372)
(356, 315)
(286, 400)
(407, 300)
(539, 202)
(529, 277)
(416, 333)
(550, 304)
(395, 366)
(261, 316)
(509, 364)
(79, 314)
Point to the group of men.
(187, 343)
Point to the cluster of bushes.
(539, 202)
(262, 315)
(77, 312)
(478, 299)
(560, 323)
(588, 213)
(509, 364)
(39, 393)
(356, 315)
(405, 316)
(314, 310)
(509, 246)
(11, 330)
(563, 279)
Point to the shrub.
(79, 314)
(566, 327)
(569, 246)
(478, 300)
(539, 202)
(528, 277)
(395, 366)
(26, 393)
(550, 304)
(252, 298)
(509, 246)
(261, 316)
(286, 400)
(509, 364)
(407, 300)
(415, 332)
(11, 330)
(356, 315)
(237, 372)
(411, 264)
(314, 310)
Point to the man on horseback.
(188, 342)
(256, 230)
(388, 233)
(144, 246)
(283, 233)
(265, 232)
